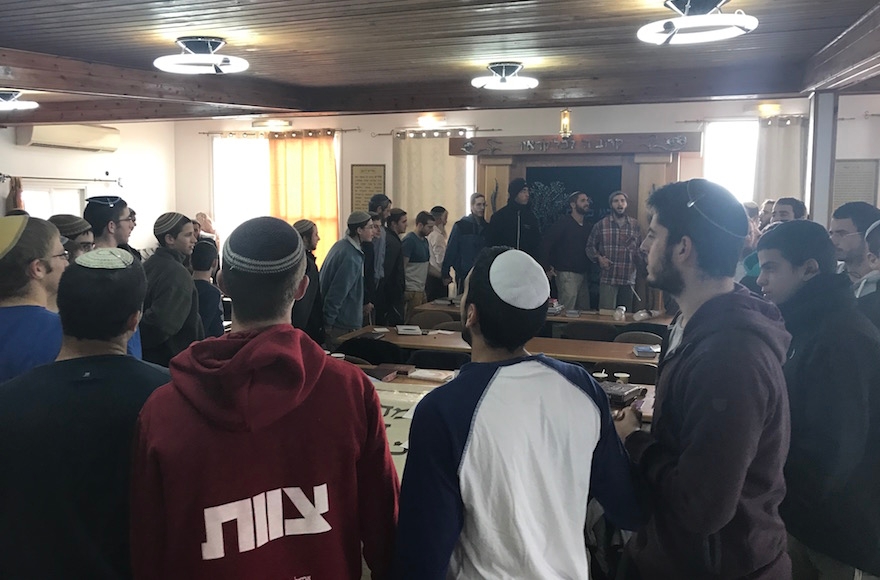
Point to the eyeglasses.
(128, 219)
(840, 235)
(65, 254)
(108, 200)
(87, 246)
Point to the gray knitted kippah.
(106, 259)
(358, 217)
(70, 226)
(263, 245)
(303, 226)
(166, 222)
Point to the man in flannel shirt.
(614, 244)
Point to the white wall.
(145, 161)
(858, 137)
(361, 147)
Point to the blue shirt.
(418, 252)
(30, 336)
(342, 285)
(501, 463)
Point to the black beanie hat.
(516, 186)
(263, 245)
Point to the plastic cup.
(622, 377)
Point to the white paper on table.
(380, 329)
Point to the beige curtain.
(426, 175)
(782, 158)
(303, 185)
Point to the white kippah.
(106, 259)
(519, 280)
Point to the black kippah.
(263, 245)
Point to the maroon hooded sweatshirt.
(263, 458)
(714, 459)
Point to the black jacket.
(516, 226)
(171, 318)
(394, 282)
(714, 459)
(833, 468)
(308, 312)
(870, 307)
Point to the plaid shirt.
(620, 244)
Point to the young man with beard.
(831, 507)
(263, 458)
(849, 224)
(715, 455)
(416, 259)
(171, 309)
(32, 259)
(467, 240)
(614, 244)
(564, 255)
(111, 221)
(308, 312)
(391, 291)
(515, 225)
(503, 458)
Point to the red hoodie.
(262, 459)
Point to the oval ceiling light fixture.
(199, 58)
(505, 77)
(9, 102)
(698, 21)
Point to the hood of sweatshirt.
(740, 310)
(246, 381)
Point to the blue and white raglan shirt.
(502, 462)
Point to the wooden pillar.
(655, 171)
(492, 171)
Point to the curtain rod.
(418, 130)
(278, 131)
(117, 181)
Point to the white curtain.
(782, 158)
(426, 175)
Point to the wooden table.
(588, 351)
(585, 316)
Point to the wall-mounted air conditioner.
(81, 137)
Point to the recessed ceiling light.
(199, 58)
(9, 102)
(505, 77)
(697, 23)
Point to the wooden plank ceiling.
(388, 55)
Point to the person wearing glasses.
(135, 253)
(171, 309)
(849, 224)
(713, 461)
(111, 220)
(78, 232)
(32, 259)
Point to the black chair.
(589, 331)
(660, 330)
(438, 360)
(374, 351)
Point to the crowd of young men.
(257, 456)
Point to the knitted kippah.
(70, 226)
(303, 226)
(518, 280)
(167, 221)
(358, 217)
(263, 245)
(11, 228)
(106, 259)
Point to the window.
(44, 201)
(731, 153)
(241, 181)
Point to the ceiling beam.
(113, 110)
(666, 86)
(851, 58)
(43, 72)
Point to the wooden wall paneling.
(849, 59)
